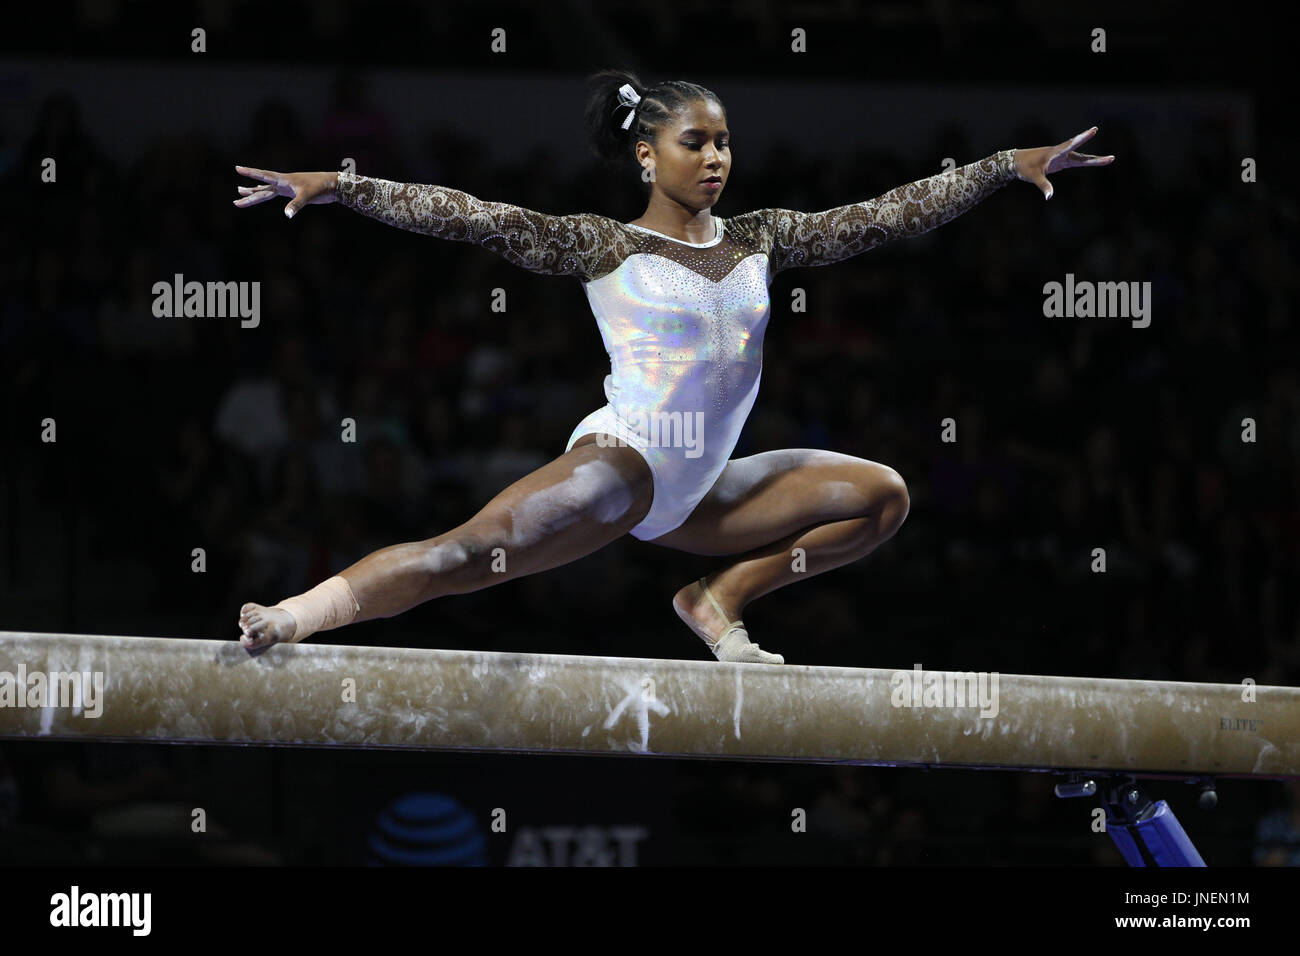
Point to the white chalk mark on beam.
(740, 700)
(640, 700)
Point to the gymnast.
(681, 300)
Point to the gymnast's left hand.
(1033, 165)
(307, 189)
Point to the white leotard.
(682, 322)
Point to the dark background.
(1074, 433)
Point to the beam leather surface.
(324, 695)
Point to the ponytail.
(609, 132)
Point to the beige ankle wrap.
(733, 644)
(329, 604)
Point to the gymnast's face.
(694, 146)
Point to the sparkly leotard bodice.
(682, 322)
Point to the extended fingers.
(254, 195)
(1073, 160)
(1083, 137)
(1064, 157)
(1087, 159)
(265, 175)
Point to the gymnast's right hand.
(307, 189)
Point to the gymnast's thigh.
(569, 507)
(766, 497)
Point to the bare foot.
(727, 644)
(263, 626)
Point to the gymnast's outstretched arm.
(577, 245)
(568, 245)
(820, 238)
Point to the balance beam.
(323, 695)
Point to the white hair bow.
(628, 97)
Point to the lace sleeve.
(552, 245)
(818, 239)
